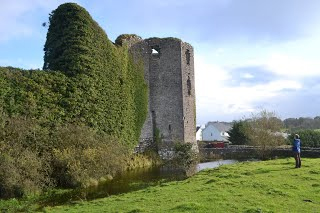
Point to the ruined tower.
(169, 73)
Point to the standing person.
(296, 150)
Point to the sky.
(250, 55)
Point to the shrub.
(22, 170)
(262, 132)
(185, 157)
(33, 158)
(80, 155)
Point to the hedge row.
(309, 138)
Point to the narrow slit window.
(169, 127)
(188, 56)
(189, 85)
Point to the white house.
(216, 131)
(199, 132)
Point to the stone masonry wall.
(166, 90)
(169, 73)
(241, 153)
(188, 92)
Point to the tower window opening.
(189, 85)
(188, 56)
(155, 51)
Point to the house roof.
(220, 126)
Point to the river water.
(131, 181)
(142, 178)
(214, 164)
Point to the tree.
(263, 132)
(295, 124)
(237, 134)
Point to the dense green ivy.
(98, 84)
(33, 93)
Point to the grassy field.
(269, 186)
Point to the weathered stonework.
(169, 73)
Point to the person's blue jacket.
(296, 145)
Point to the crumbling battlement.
(169, 73)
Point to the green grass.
(268, 186)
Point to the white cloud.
(293, 66)
(296, 59)
(248, 76)
(216, 96)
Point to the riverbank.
(265, 186)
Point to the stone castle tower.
(169, 73)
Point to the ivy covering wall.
(86, 80)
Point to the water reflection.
(131, 181)
(142, 178)
(135, 180)
(214, 164)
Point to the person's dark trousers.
(298, 159)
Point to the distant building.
(199, 132)
(216, 131)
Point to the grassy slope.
(270, 186)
